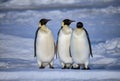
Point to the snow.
(11, 45)
(107, 53)
(96, 20)
(19, 21)
(109, 46)
(17, 62)
(30, 16)
(58, 75)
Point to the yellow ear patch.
(39, 25)
(62, 23)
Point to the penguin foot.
(51, 67)
(67, 67)
(41, 67)
(63, 67)
(75, 67)
(86, 68)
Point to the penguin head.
(79, 25)
(44, 21)
(67, 22)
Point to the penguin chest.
(63, 47)
(79, 47)
(45, 46)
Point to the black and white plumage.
(63, 44)
(44, 48)
(80, 47)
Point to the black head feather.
(67, 21)
(44, 21)
(79, 25)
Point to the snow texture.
(17, 62)
(97, 21)
(31, 16)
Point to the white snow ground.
(17, 62)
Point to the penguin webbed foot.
(65, 67)
(51, 67)
(75, 67)
(41, 67)
(86, 68)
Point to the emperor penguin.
(63, 44)
(44, 45)
(80, 47)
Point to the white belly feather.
(45, 46)
(63, 47)
(80, 47)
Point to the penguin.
(80, 47)
(63, 44)
(44, 48)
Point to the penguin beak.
(48, 20)
(72, 21)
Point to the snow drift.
(17, 62)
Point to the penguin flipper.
(35, 41)
(55, 50)
(89, 43)
(70, 52)
(56, 47)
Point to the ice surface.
(101, 23)
(32, 16)
(17, 62)
(61, 76)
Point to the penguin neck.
(43, 27)
(66, 29)
(65, 26)
(79, 29)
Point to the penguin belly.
(80, 48)
(64, 48)
(45, 47)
